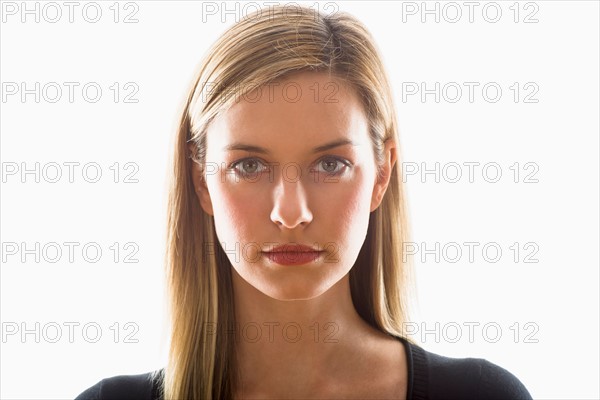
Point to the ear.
(199, 182)
(381, 183)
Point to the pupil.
(330, 163)
(250, 163)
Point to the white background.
(559, 133)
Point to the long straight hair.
(259, 49)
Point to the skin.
(330, 351)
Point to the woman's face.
(291, 187)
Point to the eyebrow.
(262, 150)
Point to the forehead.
(302, 110)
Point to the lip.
(293, 258)
(293, 254)
(293, 248)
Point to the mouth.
(293, 248)
(293, 257)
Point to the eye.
(331, 165)
(249, 167)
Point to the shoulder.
(497, 382)
(140, 387)
(438, 376)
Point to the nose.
(290, 208)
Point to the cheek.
(341, 205)
(236, 210)
(344, 210)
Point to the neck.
(297, 342)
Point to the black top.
(430, 376)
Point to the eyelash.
(344, 163)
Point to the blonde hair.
(256, 51)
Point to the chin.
(294, 292)
(294, 297)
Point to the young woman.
(285, 228)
